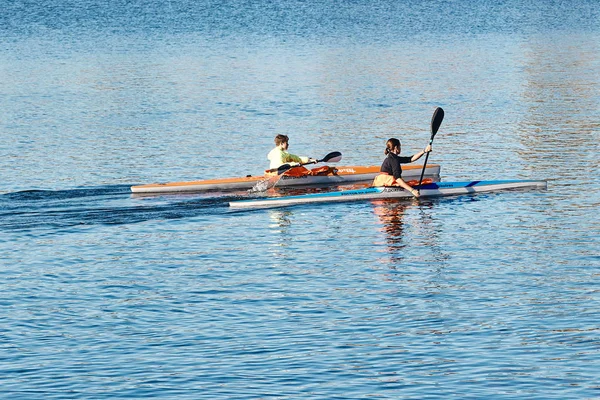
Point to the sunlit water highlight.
(109, 295)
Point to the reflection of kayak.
(332, 176)
(428, 190)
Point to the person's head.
(392, 146)
(282, 141)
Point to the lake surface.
(108, 295)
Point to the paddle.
(267, 184)
(436, 121)
(334, 156)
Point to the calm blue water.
(107, 295)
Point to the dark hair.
(390, 145)
(281, 139)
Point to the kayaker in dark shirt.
(391, 169)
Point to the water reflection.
(560, 92)
(391, 213)
(280, 220)
(281, 224)
(391, 216)
(400, 235)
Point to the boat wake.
(38, 210)
(260, 186)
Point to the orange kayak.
(332, 176)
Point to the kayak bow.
(429, 190)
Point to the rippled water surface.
(109, 295)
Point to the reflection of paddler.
(390, 214)
(391, 169)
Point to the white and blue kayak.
(436, 189)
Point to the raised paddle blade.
(436, 121)
(334, 159)
(334, 156)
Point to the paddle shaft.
(436, 121)
(423, 170)
(272, 181)
(331, 157)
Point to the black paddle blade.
(284, 167)
(436, 121)
(333, 156)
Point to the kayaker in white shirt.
(279, 155)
